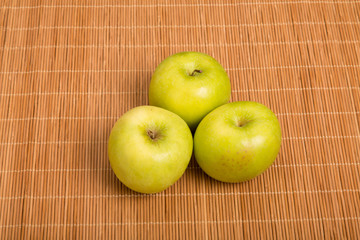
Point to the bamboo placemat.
(70, 69)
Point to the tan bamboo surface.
(70, 69)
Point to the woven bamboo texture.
(70, 69)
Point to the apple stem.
(195, 71)
(151, 134)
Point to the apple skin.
(191, 97)
(144, 164)
(237, 141)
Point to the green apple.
(190, 84)
(149, 148)
(237, 141)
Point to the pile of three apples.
(150, 146)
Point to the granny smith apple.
(149, 148)
(190, 84)
(237, 141)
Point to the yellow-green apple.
(237, 141)
(190, 84)
(149, 148)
